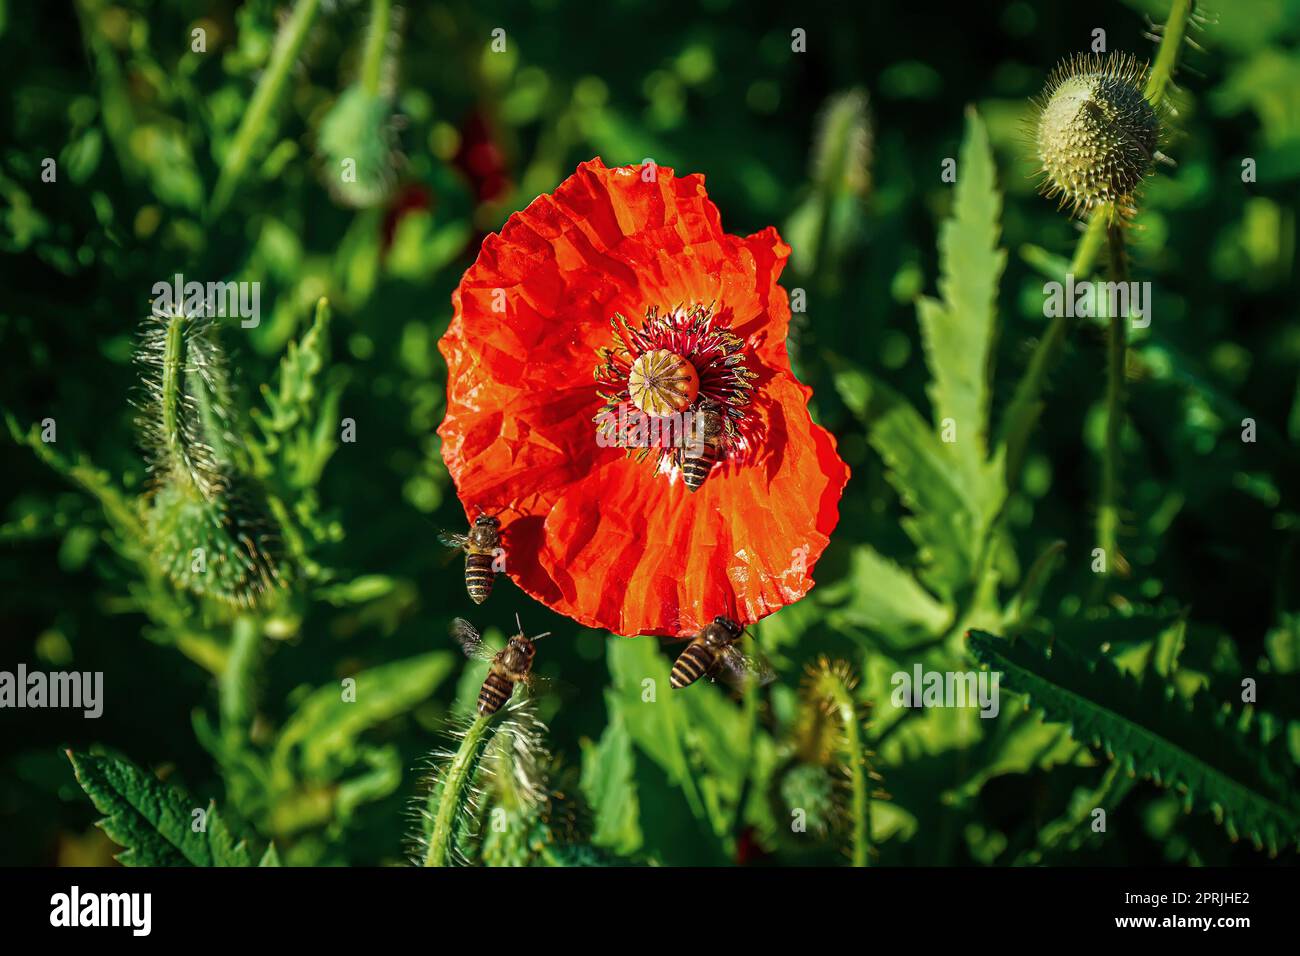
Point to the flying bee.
(511, 665)
(713, 652)
(481, 547)
(696, 468)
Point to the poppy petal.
(588, 530)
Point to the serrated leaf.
(608, 783)
(152, 820)
(270, 858)
(121, 514)
(959, 330)
(325, 726)
(880, 596)
(942, 524)
(227, 849)
(1190, 746)
(302, 404)
(949, 510)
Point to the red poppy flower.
(687, 480)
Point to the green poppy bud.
(1096, 133)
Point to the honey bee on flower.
(680, 361)
(620, 395)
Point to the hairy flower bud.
(1095, 132)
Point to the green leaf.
(959, 331)
(608, 783)
(227, 849)
(878, 595)
(270, 857)
(1025, 603)
(1192, 747)
(259, 122)
(1048, 265)
(1017, 744)
(950, 509)
(325, 726)
(943, 523)
(360, 590)
(152, 820)
(95, 481)
(300, 423)
(578, 854)
(695, 736)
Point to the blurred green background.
(841, 147)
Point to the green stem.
(1171, 41)
(288, 46)
(372, 61)
(1026, 403)
(845, 708)
(239, 679)
(1116, 345)
(115, 101)
(173, 370)
(549, 857)
(209, 654)
(449, 793)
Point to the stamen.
(657, 379)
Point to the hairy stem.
(173, 371)
(288, 46)
(1116, 345)
(450, 793)
(372, 62)
(845, 709)
(1025, 405)
(1171, 41)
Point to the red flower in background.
(730, 517)
(481, 158)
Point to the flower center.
(662, 382)
(677, 389)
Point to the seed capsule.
(1096, 133)
(662, 382)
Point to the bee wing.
(538, 685)
(471, 642)
(739, 669)
(453, 540)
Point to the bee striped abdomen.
(692, 664)
(479, 576)
(695, 470)
(496, 691)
